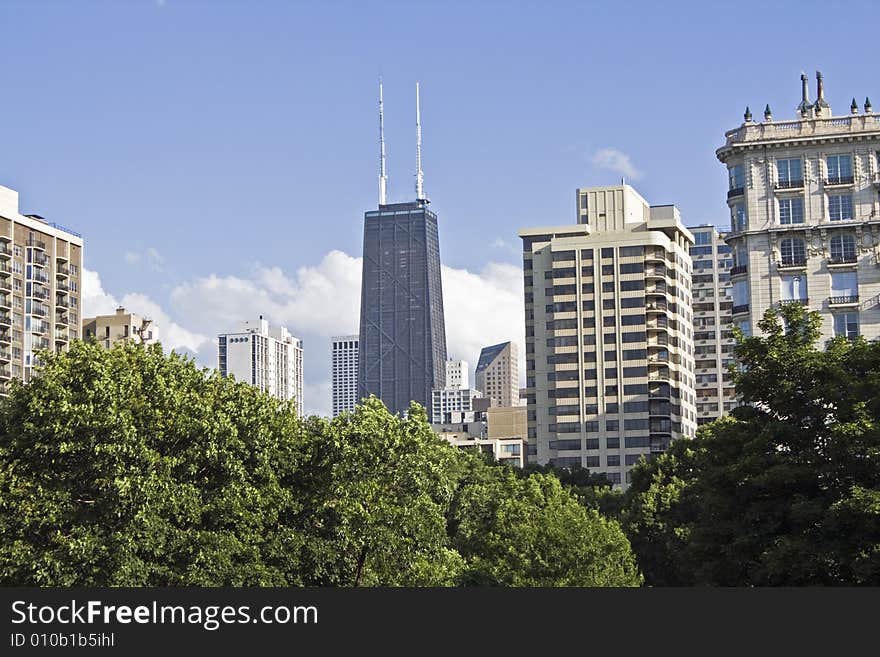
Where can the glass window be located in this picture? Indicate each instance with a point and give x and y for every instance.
(737, 175)
(740, 293)
(789, 173)
(703, 238)
(843, 248)
(840, 207)
(839, 168)
(793, 288)
(791, 210)
(844, 284)
(793, 251)
(738, 220)
(846, 325)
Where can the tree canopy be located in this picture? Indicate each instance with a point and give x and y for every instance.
(785, 490)
(127, 467)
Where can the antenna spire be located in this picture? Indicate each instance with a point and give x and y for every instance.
(420, 178)
(383, 179)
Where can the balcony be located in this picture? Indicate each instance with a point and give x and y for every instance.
(61, 286)
(42, 343)
(653, 306)
(656, 289)
(40, 277)
(5, 319)
(659, 443)
(5, 336)
(39, 328)
(41, 260)
(832, 181)
(849, 300)
(788, 184)
(5, 355)
(736, 191)
(655, 272)
(43, 295)
(37, 244)
(61, 318)
(802, 302)
(739, 269)
(4, 268)
(62, 270)
(5, 373)
(742, 308)
(60, 336)
(61, 303)
(5, 301)
(843, 260)
(61, 257)
(792, 263)
(5, 251)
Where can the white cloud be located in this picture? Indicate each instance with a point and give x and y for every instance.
(96, 301)
(617, 161)
(132, 258)
(151, 257)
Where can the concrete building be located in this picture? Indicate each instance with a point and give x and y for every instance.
(507, 422)
(506, 451)
(40, 288)
(805, 215)
(344, 373)
(107, 330)
(269, 359)
(457, 374)
(497, 374)
(609, 333)
(713, 335)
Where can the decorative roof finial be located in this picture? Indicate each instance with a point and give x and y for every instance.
(768, 115)
(748, 115)
(805, 107)
(821, 103)
(854, 107)
(868, 108)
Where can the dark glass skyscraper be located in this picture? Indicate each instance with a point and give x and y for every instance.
(402, 352)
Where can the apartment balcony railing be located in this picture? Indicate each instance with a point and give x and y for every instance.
(791, 263)
(5, 355)
(37, 244)
(656, 307)
(43, 295)
(62, 270)
(839, 180)
(41, 277)
(61, 257)
(5, 319)
(41, 259)
(844, 300)
(5, 301)
(742, 308)
(5, 336)
(5, 250)
(61, 303)
(61, 318)
(60, 336)
(5, 373)
(61, 286)
(42, 343)
(739, 269)
(4, 267)
(788, 184)
(736, 191)
(843, 260)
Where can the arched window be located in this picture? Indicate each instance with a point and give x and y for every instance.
(793, 251)
(843, 248)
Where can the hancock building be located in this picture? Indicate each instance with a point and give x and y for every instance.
(805, 214)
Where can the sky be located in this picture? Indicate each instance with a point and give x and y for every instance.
(218, 156)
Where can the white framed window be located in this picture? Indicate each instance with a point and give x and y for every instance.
(844, 285)
(840, 207)
(843, 248)
(740, 293)
(793, 251)
(791, 210)
(846, 325)
(790, 173)
(793, 288)
(839, 169)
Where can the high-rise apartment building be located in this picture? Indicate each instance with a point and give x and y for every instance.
(805, 215)
(713, 335)
(107, 330)
(402, 329)
(268, 358)
(457, 374)
(40, 278)
(497, 374)
(344, 373)
(609, 337)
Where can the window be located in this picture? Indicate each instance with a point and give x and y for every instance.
(844, 286)
(846, 325)
(741, 293)
(613, 460)
(840, 207)
(789, 173)
(793, 288)
(793, 251)
(738, 220)
(839, 169)
(702, 238)
(843, 248)
(627, 251)
(791, 210)
(737, 176)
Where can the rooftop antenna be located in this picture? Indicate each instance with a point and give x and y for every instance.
(383, 179)
(420, 178)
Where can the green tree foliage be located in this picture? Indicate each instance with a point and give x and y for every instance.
(127, 467)
(124, 467)
(785, 491)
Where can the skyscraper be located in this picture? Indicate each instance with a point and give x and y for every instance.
(344, 373)
(402, 352)
(713, 335)
(609, 351)
(40, 269)
(268, 359)
(497, 374)
(804, 215)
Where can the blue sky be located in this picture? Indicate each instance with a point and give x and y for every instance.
(216, 155)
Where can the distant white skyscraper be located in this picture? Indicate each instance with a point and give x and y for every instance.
(497, 374)
(344, 373)
(457, 375)
(269, 359)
